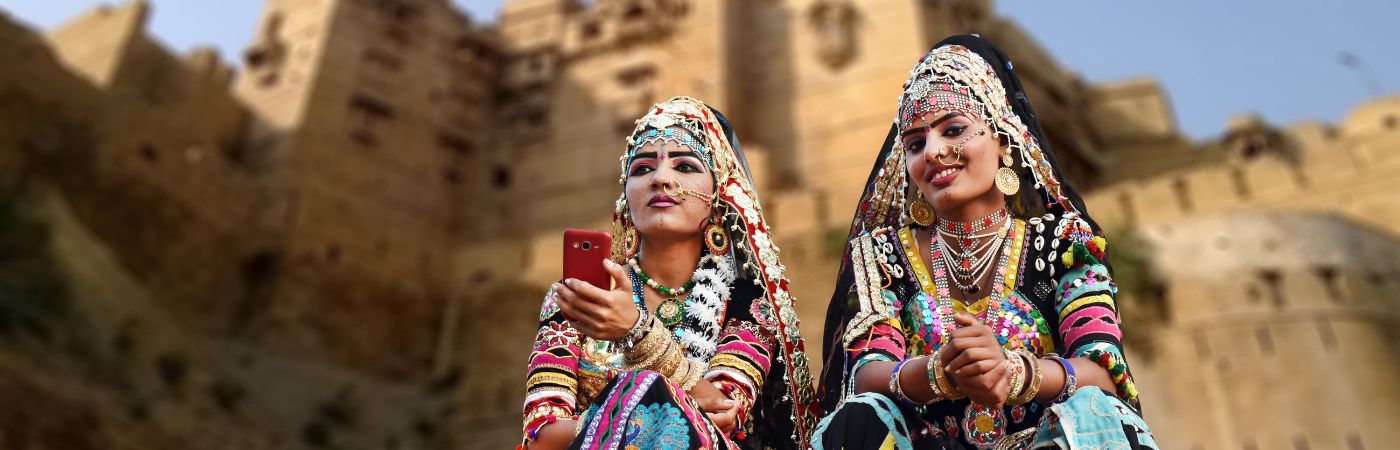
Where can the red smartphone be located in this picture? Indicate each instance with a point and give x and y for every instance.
(584, 252)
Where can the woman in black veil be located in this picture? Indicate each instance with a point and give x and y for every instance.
(975, 307)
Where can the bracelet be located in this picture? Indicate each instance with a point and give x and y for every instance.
(1018, 376)
(1070, 379)
(638, 331)
(1032, 379)
(737, 394)
(938, 378)
(651, 349)
(543, 413)
(683, 375)
(1032, 389)
(895, 388)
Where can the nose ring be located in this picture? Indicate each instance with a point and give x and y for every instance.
(957, 150)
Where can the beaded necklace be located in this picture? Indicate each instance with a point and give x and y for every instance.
(970, 263)
(930, 314)
(671, 310)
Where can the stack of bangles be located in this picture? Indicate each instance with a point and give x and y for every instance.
(540, 416)
(735, 393)
(1025, 379)
(937, 381)
(655, 350)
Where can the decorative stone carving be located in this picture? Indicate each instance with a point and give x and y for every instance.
(266, 57)
(834, 31)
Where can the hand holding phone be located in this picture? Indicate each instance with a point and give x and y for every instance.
(595, 295)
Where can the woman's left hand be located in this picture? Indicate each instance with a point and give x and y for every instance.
(978, 366)
(722, 411)
(596, 312)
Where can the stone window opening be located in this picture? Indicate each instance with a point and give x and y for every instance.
(1241, 185)
(1330, 279)
(1265, 339)
(1274, 280)
(367, 114)
(500, 177)
(382, 61)
(591, 30)
(268, 54)
(1327, 335)
(150, 153)
(1354, 441)
(333, 253)
(1183, 194)
(633, 77)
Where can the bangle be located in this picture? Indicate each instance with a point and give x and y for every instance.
(1032, 379)
(638, 331)
(1070, 379)
(938, 378)
(895, 388)
(1018, 376)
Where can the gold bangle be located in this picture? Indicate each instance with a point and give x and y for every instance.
(544, 411)
(1018, 375)
(692, 376)
(1033, 384)
(649, 345)
(947, 389)
(552, 378)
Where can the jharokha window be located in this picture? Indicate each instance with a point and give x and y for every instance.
(367, 116)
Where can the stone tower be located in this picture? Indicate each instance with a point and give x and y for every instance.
(377, 113)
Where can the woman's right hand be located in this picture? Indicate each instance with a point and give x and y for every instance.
(554, 436)
(976, 363)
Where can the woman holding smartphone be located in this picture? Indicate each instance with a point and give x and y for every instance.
(696, 344)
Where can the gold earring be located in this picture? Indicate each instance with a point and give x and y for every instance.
(715, 237)
(921, 211)
(1007, 181)
(629, 243)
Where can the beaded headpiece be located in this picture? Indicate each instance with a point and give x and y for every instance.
(953, 77)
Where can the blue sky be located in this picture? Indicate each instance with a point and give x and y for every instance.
(1216, 58)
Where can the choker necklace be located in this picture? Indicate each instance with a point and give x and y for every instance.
(671, 310)
(971, 262)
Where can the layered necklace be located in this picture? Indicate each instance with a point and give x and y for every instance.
(671, 310)
(972, 260)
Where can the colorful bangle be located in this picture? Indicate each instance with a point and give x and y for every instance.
(895, 387)
(1070, 379)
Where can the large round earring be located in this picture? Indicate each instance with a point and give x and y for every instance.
(1007, 181)
(921, 211)
(716, 239)
(629, 242)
